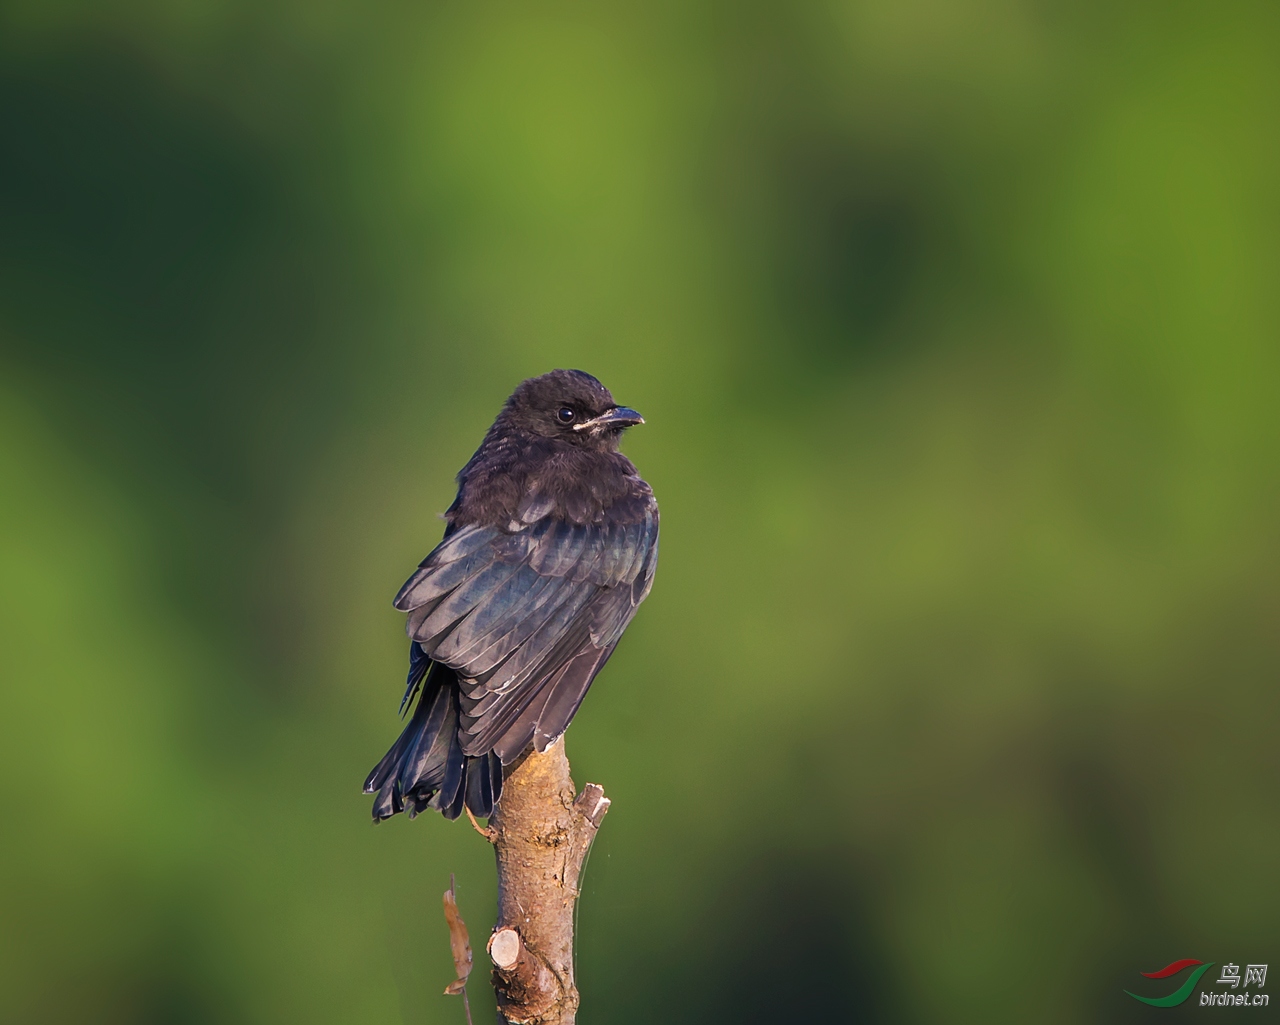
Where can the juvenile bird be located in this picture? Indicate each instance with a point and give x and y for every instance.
(550, 548)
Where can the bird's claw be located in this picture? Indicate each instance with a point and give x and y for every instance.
(488, 832)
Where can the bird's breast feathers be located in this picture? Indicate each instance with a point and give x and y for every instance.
(513, 484)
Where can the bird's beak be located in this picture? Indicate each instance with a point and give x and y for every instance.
(616, 418)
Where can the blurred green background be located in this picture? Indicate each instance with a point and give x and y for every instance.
(955, 325)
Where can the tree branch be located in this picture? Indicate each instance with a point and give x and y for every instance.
(541, 833)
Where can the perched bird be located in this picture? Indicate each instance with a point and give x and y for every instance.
(550, 548)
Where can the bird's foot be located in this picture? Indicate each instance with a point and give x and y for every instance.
(488, 832)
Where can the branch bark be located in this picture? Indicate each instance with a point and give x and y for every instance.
(541, 833)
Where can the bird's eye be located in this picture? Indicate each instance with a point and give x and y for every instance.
(566, 415)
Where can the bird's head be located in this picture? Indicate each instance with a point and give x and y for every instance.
(570, 405)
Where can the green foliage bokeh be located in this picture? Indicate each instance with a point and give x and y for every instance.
(955, 326)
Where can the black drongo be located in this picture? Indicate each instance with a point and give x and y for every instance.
(550, 548)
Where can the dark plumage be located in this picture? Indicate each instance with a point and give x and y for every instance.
(550, 548)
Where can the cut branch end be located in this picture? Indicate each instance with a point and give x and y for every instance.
(504, 948)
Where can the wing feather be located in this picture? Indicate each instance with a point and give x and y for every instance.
(524, 602)
(526, 617)
(432, 581)
(516, 627)
(566, 695)
(468, 595)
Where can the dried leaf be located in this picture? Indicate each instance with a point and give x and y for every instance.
(459, 942)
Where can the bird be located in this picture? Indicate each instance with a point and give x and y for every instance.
(549, 548)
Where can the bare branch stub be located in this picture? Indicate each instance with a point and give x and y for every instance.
(542, 832)
(505, 948)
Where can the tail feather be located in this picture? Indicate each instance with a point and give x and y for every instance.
(452, 810)
(419, 663)
(450, 787)
(484, 784)
(425, 755)
(426, 767)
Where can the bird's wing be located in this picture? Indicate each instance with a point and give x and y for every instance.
(527, 617)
